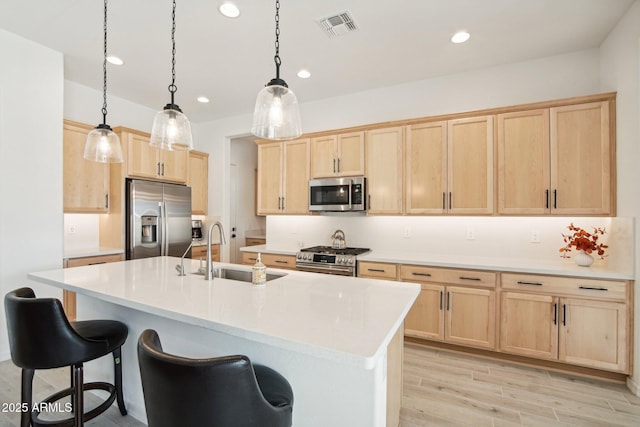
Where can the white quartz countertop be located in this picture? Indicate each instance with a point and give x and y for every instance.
(562, 267)
(559, 266)
(344, 319)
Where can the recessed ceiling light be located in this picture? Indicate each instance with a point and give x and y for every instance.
(229, 10)
(114, 60)
(203, 99)
(304, 74)
(460, 37)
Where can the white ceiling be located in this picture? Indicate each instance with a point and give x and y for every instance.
(230, 60)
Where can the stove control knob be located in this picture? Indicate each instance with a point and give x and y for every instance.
(350, 260)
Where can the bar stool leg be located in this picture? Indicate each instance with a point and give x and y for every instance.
(27, 390)
(78, 408)
(117, 360)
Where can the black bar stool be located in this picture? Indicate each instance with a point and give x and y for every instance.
(221, 391)
(41, 337)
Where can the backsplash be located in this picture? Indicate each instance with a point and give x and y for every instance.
(504, 237)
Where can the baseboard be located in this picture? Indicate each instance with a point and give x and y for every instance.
(634, 386)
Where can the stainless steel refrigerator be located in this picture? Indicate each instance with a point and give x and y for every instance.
(158, 219)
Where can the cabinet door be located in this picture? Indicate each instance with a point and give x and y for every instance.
(384, 154)
(295, 177)
(523, 163)
(426, 168)
(85, 183)
(529, 325)
(426, 317)
(594, 333)
(470, 165)
(470, 317)
(174, 165)
(199, 182)
(350, 154)
(143, 160)
(581, 159)
(269, 178)
(324, 156)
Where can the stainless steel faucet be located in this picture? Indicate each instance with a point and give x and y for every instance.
(180, 268)
(208, 274)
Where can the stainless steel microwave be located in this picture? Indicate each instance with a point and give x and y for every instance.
(346, 194)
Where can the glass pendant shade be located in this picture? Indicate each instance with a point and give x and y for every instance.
(103, 145)
(171, 130)
(276, 115)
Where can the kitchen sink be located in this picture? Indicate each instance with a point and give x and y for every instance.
(240, 275)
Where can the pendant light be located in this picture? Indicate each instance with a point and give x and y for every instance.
(276, 115)
(103, 145)
(171, 129)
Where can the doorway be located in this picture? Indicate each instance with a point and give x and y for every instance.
(242, 193)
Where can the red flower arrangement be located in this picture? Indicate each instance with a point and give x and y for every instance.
(583, 241)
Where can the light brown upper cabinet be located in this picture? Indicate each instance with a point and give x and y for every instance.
(145, 161)
(581, 152)
(337, 155)
(556, 161)
(384, 159)
(283, 177)
(426, 168)
(470, 166)
(523, 162)
(449, 167)
(198, 181)
(85, 183)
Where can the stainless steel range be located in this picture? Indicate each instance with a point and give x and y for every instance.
(329, 260)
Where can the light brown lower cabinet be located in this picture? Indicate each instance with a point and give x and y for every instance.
(583, 322)
(68, 297)
(455, 306)
(270, 260)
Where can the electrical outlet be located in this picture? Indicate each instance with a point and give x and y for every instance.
(406, 233)
(535, 236)
(71, 229)
(471, 233)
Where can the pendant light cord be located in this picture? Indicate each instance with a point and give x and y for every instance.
(104, 69)
(277, 57)
(172, 87)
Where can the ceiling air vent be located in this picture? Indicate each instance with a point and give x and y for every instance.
(339, 24)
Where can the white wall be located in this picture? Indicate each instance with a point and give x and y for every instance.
(30, 166)
(620, 71)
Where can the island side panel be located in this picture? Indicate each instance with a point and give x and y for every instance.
(326, 393)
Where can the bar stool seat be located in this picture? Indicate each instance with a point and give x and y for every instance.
(41, 337)
(226, 391)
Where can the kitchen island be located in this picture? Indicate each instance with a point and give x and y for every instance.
(337, 340)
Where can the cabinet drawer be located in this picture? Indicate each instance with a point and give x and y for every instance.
(252, 241)
(278, 261)
(419, 273)
(590, 288)
(270, 260)
(92, 260)
(201, 252)
(378, 270)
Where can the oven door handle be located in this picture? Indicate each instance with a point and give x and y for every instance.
(325, 269)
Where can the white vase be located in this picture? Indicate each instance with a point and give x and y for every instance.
(583, 259)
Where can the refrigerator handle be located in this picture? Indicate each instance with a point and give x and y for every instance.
(165, 230)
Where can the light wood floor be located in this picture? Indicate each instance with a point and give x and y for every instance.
(441, 388)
